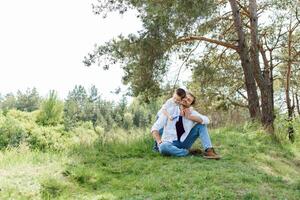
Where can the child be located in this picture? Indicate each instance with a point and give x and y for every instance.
(170, 107)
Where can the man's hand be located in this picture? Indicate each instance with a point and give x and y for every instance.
(186, 112)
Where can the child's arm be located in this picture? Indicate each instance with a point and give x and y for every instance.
(165, 112)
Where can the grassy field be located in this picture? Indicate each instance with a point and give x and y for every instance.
(253, 166)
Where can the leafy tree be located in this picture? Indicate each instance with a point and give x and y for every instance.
(145, 56)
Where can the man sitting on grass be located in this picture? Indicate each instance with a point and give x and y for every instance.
(179, 134)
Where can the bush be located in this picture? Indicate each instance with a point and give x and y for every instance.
(44, 138)
(12, 133)
(23, 117)
(18, 127)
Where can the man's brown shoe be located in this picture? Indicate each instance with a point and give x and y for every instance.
(195, 152)
(211, 154)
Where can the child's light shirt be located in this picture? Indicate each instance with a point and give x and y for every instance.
(171, 107)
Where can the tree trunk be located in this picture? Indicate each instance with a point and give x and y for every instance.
(243, 52)
(272, 82)
(268, 75)
(262, 79)
(287, 87)
(297, 103)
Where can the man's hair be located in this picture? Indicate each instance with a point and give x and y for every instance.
(181, 92)
(194, 98)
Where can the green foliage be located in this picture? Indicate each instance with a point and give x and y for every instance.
(216, 81)
(8, 102)
(12, 133)
(81, 106)
(282, 125)
(128, 121)
(143, 115)
(144, 56)
(19, 127)
(45, 138)
(84, 134)
(24, 101)
(28, 100)
(51, 111)
(51, 188)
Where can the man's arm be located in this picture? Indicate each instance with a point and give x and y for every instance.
(159, 124)
(156, 136)
(195, 116)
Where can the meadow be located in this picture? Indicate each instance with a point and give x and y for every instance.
(122, 165)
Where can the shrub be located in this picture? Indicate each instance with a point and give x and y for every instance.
(12, 133)
(21, 116)
(44, 138)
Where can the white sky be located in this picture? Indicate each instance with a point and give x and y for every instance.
(42, 45)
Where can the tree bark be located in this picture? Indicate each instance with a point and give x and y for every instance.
(262, 79)
(268, 74)
(243, 52)
(287, 86)
(297, 103)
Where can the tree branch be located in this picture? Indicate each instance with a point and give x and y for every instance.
(264, 56)
(186, 59)
(246, 12)
(240, 93)
(236, 103)
(201, 38)
(297, 17)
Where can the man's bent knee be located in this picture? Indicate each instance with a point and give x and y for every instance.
(164, 148)
(200, 126)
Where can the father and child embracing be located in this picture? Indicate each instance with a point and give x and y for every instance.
(178, 126)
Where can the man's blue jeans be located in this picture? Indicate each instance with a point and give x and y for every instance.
(177, 148)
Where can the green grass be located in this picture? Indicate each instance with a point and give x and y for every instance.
(254, 166)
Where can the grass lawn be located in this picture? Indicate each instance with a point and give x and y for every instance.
(253, 166)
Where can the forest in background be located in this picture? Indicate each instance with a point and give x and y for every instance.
(28, 117)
